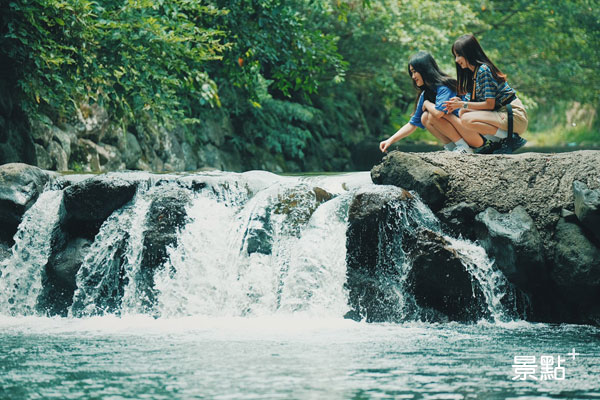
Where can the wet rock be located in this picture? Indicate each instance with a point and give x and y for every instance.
(59, 279)
(20, 186)
(259, 236)
(166, 216)
(88, 203)
(101, 285)
(514, 242)
(297, 206)
(459, 219)
(576, 270)
(412, 172)
(587, 207)
(375, 257)
(438, 280)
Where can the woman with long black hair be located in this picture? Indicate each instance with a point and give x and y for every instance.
(434, 88)
(492, 116)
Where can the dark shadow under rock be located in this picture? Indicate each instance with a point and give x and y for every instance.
(576, 272)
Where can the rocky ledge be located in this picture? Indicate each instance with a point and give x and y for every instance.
(537, 215)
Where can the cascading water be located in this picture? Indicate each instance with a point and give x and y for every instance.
(252, 244)
(21, 274)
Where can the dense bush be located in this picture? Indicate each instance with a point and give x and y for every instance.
(290, 74)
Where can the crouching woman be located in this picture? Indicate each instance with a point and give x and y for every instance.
(492, 116)
(434, 88)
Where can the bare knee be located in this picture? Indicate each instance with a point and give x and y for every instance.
(425, 119)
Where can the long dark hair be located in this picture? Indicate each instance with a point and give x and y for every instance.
(424, 64)
(468, 47)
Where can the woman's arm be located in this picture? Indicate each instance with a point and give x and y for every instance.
(403, 132)
(430, 108)
(455, 103)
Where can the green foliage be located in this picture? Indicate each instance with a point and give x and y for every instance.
(131, 56)
(290, 74)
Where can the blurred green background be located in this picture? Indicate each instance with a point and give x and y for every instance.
(290, 74)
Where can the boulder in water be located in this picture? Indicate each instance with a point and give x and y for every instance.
(374, 255)
(59, 278)
(513, 240)
(166, 216)
(439, 280)
(90, 202)
(459, 219)
(20, 186)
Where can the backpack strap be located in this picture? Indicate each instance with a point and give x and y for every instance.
(509, 111)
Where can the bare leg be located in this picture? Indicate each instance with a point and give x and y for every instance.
(481, 121)
(446, 128)
(470, 135)
(431, 124)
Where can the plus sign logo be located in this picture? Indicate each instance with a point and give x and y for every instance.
(526, 367)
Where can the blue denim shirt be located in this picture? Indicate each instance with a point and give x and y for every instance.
(444, 93)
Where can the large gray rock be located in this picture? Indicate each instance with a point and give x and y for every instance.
(397, 269)
(576, 265)
(58, 280)
(587, 207)
(541, 183)
(88, 203)
(514, 242)
(412, 172)
(131, 151)
(92, 122)
(20, 186)
(459, 219)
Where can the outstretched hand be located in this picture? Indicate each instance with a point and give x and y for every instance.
(384, 145)
(452, 104)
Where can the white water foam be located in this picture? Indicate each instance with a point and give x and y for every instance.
(21, 279)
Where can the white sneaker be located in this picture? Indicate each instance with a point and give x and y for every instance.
(462, 150)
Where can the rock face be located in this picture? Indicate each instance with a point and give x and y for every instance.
(399, 269)
(20, 186)
(439, 281)
(576, 271)
(513, 241)
(535, 214)
(587, 207)
(167, 214)
(91, 201)
(413, 173)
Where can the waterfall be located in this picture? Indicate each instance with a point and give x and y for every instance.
(249, 244)
(21, 273)
(111, 262)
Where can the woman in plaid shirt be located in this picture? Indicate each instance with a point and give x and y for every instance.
(484, 112)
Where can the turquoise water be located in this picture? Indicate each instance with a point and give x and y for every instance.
(287, 358)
